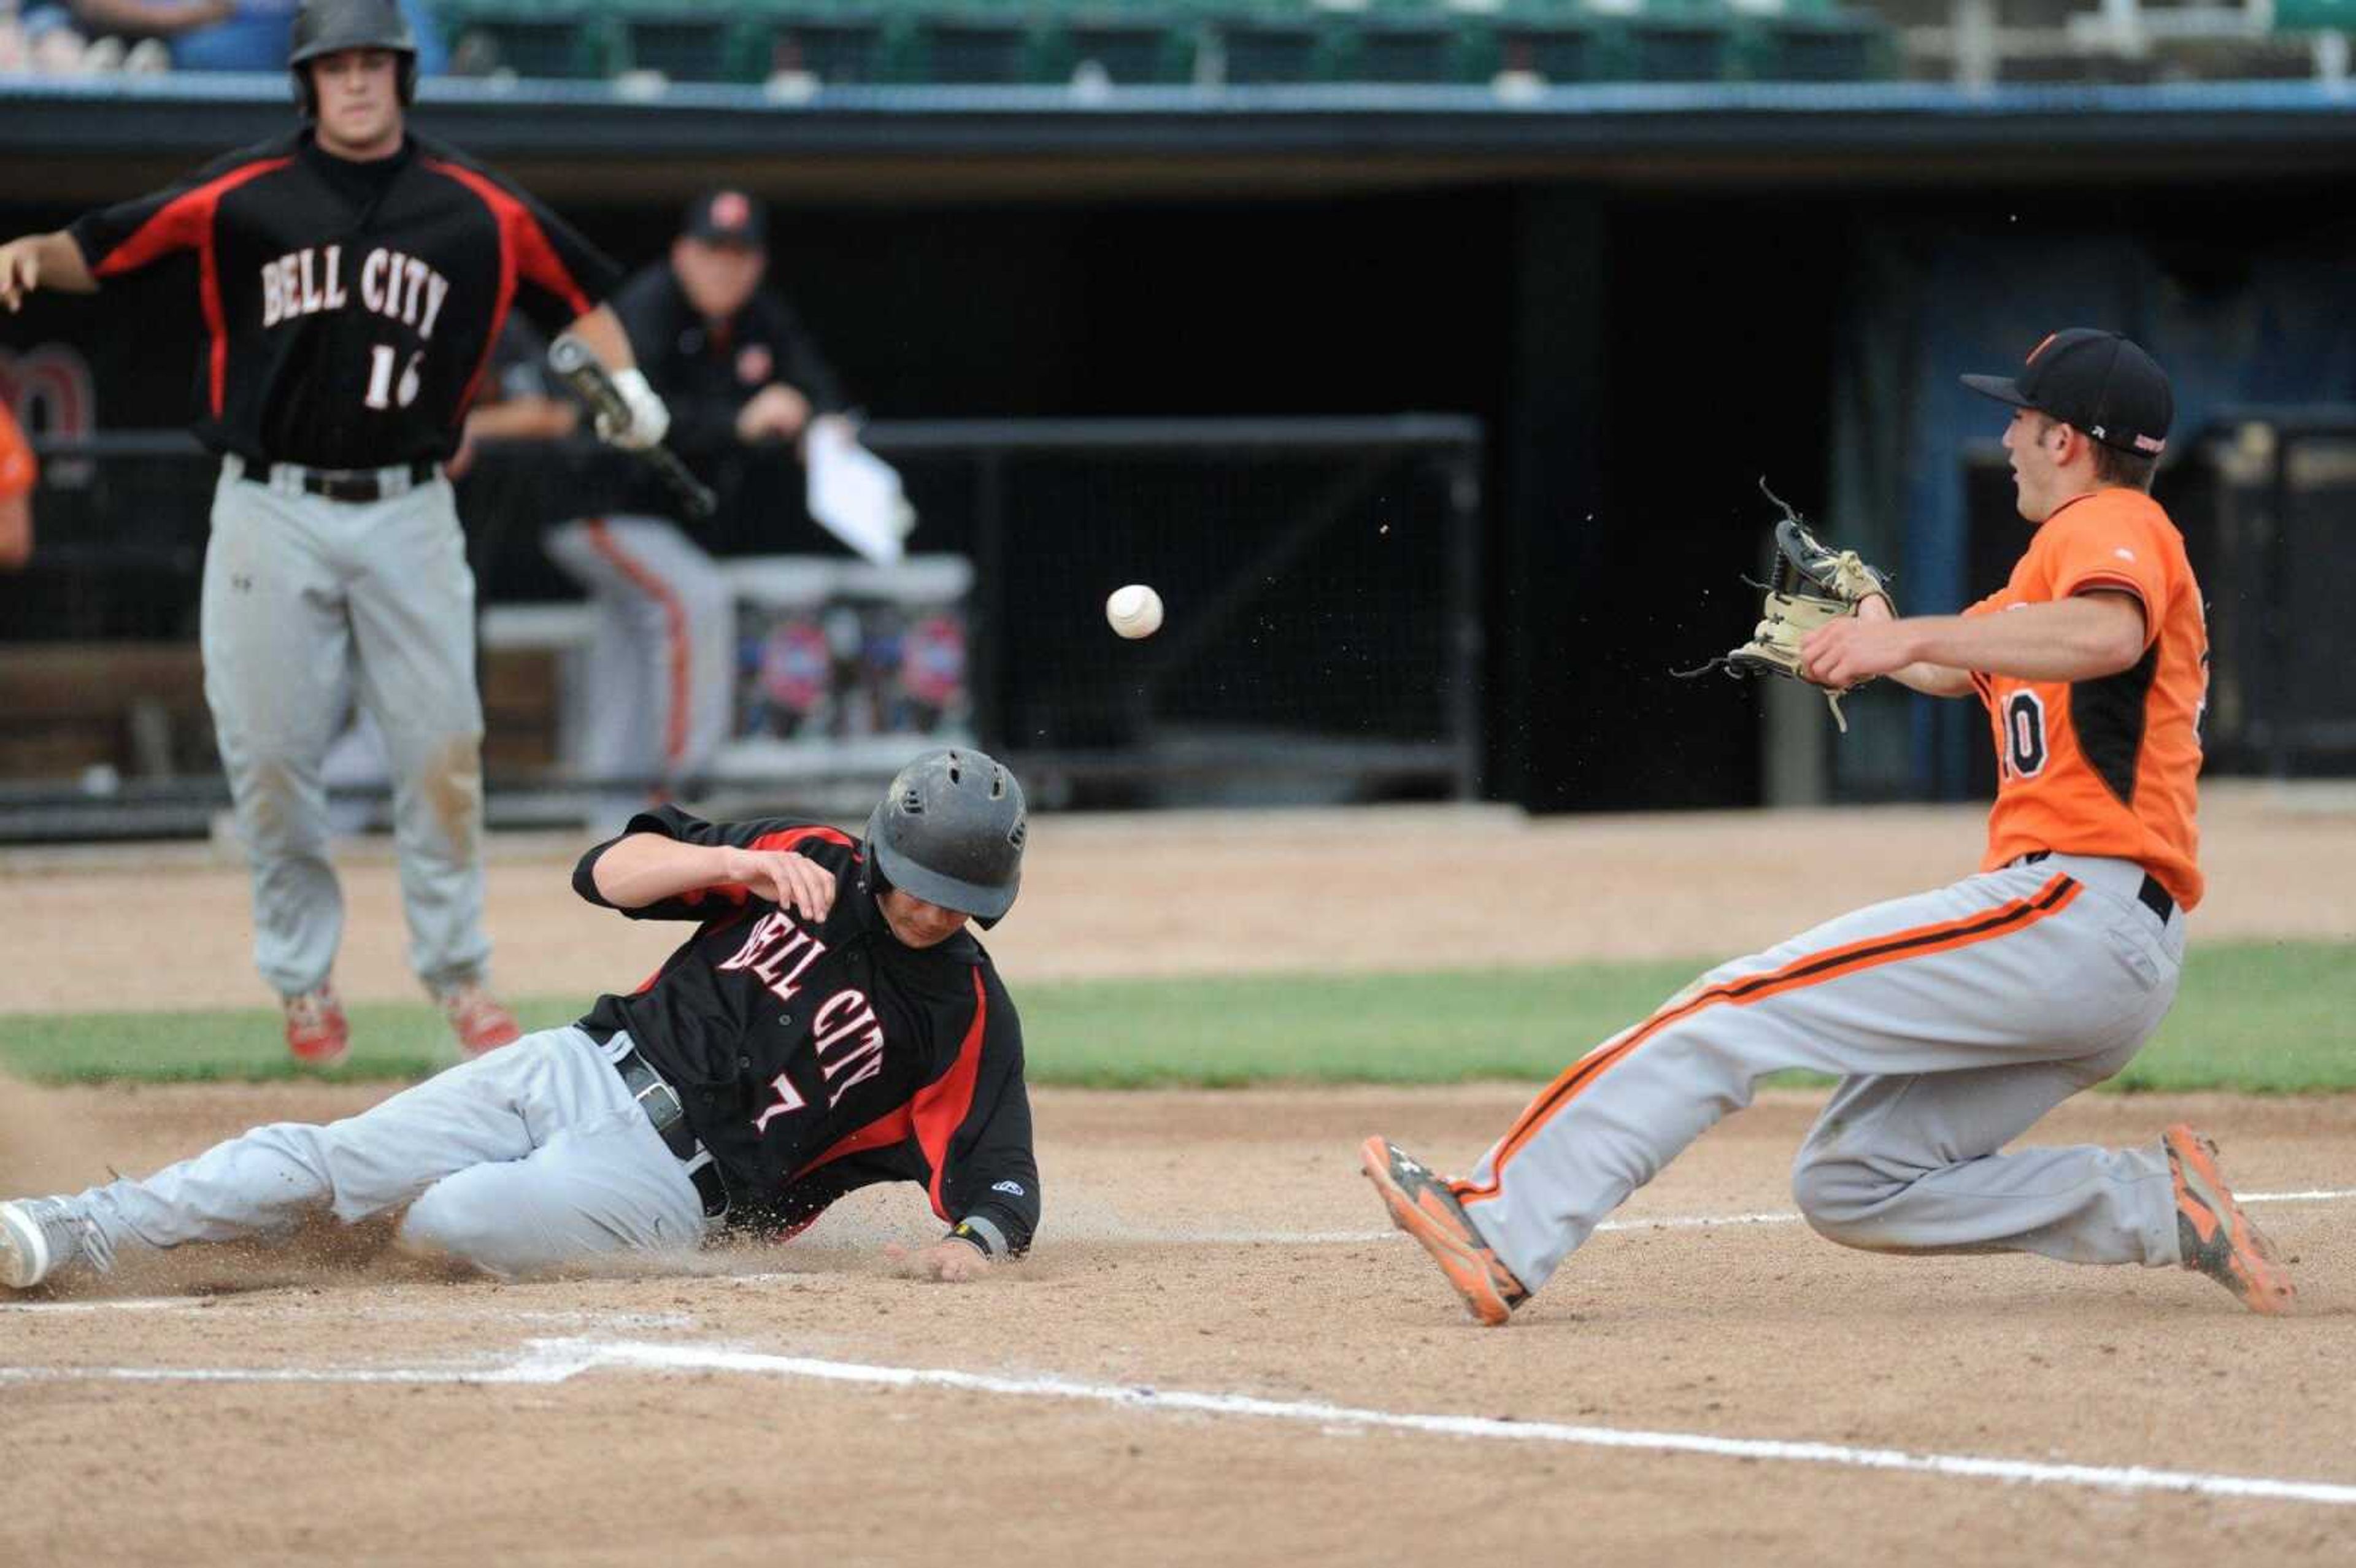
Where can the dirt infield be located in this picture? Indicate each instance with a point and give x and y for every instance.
(1218, 1352)
(1215, 1246)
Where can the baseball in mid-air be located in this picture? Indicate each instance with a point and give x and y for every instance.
(1134, 610)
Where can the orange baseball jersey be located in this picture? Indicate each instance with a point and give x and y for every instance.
(17, 470)
(2107, 766)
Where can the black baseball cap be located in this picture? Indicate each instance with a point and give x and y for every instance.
(2096, 381)
(728, 218)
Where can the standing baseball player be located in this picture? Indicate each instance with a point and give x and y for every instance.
(352, 278)
(738, 368)
(828, 1024)
(1956, 1018)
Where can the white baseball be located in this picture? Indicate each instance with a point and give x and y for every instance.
(1134, 610)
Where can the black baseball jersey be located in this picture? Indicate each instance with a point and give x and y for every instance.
(707, 371)
(815, 1060)
(350, 307)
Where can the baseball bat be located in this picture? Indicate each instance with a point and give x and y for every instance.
(585, 374)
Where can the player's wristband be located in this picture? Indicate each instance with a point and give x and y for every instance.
(650, 420)
(982, 1234)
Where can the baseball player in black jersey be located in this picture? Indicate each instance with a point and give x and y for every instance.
(829, 1022)
(352, 278)
(738, 368)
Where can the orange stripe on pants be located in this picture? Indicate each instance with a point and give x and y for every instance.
(1810, 970)
(602, 542)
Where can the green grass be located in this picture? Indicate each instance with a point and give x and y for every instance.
(2268, 1018)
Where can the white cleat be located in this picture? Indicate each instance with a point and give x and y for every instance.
(40, 1235)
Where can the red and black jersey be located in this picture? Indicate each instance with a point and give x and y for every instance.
(350, 307)
(816, 1059)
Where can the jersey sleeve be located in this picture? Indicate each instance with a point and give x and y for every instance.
(557, 275)
(146, 229)
(829, 847)
(18, 469)
(990, 1178)
(2111, 549)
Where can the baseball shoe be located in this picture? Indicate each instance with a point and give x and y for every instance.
(477, 1018)
(39, 1236)
(1422, 1206)
(2212, 1234)
(318, 1033)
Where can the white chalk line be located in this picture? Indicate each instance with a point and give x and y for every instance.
(1197, 1238)
(1662, 1222)
(547, 1361)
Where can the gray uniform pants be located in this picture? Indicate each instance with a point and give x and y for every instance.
(664, 658)
(308, 604)
(520, 1161)
(1956, 1018)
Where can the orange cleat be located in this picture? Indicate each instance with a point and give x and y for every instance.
(1422, 1206)
(2213, 1235)
(477, 1018)
(317, 1034)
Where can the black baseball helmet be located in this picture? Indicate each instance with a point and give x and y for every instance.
(950, 830)
(324, 26)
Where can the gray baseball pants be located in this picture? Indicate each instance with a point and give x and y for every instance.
(310, 603)
(520, 1161)
(663, 663)
(1955, 1020)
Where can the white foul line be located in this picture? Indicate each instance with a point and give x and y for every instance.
(1664, 1222)
(1196, 1238)
(558, 1360)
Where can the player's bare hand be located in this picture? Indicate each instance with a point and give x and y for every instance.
(787, 879)
(1844, 653)
(951, 1262)
(20, 270)
(775, 413)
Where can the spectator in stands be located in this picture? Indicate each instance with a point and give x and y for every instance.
(738, 368)
(238, 34)
(18, 472)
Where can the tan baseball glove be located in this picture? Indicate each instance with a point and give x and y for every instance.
(1813, 584)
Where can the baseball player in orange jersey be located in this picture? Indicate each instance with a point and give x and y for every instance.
(1955, 1018)
(18, 474)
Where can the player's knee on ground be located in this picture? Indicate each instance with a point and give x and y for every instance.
(450, 1220)
(1842, 1197)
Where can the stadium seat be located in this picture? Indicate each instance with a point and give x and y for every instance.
(1679, 43)
(559, 40)
(1404, 46)
(1554, 43)
(1142, 43)
(1828, 45)
(836, 46)
(978, 43)
(1271, 46)
(684, 40)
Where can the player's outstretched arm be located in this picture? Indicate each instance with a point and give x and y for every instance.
(647, 868)
(50, 260)
(1874, 642)
(2084, 637)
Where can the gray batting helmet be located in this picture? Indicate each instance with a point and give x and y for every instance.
(324, 26)
(950, 830)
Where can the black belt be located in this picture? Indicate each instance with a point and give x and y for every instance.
(2151, 895)
(356, 485)
(660, 1102)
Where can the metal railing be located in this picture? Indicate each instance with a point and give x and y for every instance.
(1322, 579)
